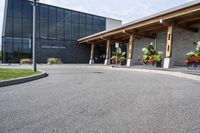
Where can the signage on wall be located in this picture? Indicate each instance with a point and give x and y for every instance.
(53, 47)
(116, 45)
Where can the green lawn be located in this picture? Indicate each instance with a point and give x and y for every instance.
(6, 74)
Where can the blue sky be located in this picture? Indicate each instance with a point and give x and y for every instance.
(125, 10)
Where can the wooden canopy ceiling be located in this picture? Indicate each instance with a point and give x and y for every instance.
(182, 18)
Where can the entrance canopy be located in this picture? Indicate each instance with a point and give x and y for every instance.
(183, 17)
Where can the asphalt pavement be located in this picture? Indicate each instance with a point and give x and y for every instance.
(87, 99)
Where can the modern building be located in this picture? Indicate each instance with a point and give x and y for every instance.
(57, 31)
(173, 31)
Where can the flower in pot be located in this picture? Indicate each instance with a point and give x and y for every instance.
(118, 57)
(151, 56)
(193, 57)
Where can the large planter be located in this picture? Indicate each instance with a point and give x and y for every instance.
(152, 63)
(193, 61)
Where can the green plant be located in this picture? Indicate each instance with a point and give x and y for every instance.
(26, 61)
(194, 56)
(118, 56)
(51, 61)
(122, 60)
(150, 55)
(0, 55)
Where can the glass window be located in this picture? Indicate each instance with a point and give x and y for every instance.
(52, 29)
(95, 20)
(75, 31)
(82, 30)
(95, 28)
(17, 27)
(68, 16)
(7, 46)
(82, 19)
(102, 28)
(89, 20)
(68, 31)
(43, 12)
(27, 27)
(27, 9)
(8, 30)
(17, 8)
(75, 17)
(60, 14)
(89, 29)
(52, 13)
(102, 21)
(10, 9)
(43, 29)
(38, 12)
(27, 46)
(37, 28)
(60, 30)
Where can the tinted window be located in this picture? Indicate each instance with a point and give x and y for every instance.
(52, 29)
(89, 20)
(43, 29)
(75, 31)
(27, 27)
(43, 12)
(95, 20)
(52, 13)
(10, 9)
(17, 8)
(27, 9)
(68, 31)
(8, 29)
(68, 16)
(82, 19)
(75, 17)
(17, 27)
(60, 14)
(102, 21)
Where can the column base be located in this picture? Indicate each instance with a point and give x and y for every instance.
(129, 62)
(91, 62)
(167, 63)
(107, 62)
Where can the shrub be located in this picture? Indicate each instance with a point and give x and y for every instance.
(26, 61)
(51, 61)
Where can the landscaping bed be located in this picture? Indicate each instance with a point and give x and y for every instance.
(7, 74)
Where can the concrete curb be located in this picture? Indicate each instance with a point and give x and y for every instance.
(23, 80)
(171, 73)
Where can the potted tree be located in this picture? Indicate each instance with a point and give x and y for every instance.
(152, 57)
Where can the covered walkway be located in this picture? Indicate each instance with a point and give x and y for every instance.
(172, 31)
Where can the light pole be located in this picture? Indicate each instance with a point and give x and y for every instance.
(33, 45)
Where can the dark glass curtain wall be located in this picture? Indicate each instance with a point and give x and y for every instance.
(57, 31)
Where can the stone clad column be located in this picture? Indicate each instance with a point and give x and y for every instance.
(92, 54)
(108, 47)
(169, 46)
(130, 50)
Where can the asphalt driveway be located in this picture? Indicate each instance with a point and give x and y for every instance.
(85, 99)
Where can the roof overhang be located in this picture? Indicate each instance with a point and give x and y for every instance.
(182, 17)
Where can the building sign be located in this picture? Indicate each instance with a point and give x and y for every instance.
(53, 47)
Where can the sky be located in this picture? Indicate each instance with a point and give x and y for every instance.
(125, 10)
